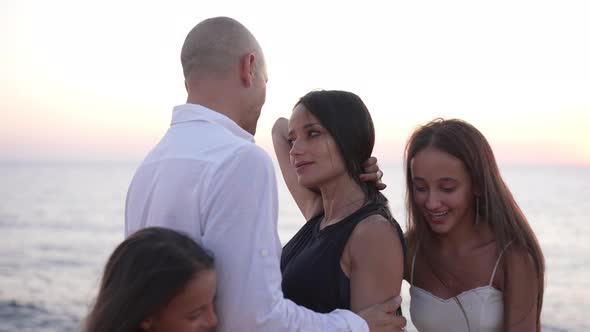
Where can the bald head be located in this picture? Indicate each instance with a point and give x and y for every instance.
(214, 47)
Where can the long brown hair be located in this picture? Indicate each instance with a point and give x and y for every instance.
(142, 276)
(496, 203)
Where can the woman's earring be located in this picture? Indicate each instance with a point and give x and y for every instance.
(476, 210)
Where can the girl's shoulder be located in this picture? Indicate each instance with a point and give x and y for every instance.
(514, 253)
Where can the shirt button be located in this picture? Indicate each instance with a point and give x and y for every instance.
(263, 252)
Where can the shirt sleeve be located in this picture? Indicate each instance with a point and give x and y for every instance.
(240, 229)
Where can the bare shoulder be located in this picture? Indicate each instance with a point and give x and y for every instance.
(515, 254)
(519, 263)
(374, 226)
(375, 233)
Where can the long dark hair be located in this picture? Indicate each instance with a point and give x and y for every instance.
(142, 276)
(496, 203)
(347, 119)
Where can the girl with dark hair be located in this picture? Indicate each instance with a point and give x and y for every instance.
(474, 262)
(156, 280)
(349, 254)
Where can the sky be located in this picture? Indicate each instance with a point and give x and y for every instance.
(97, 80)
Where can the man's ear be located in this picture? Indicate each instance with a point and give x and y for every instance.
(247, 69)
(146, 324)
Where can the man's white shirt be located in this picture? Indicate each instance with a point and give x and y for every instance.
(208, 179)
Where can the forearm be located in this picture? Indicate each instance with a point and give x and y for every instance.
(308, 201)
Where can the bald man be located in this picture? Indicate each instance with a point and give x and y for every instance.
(208, 178)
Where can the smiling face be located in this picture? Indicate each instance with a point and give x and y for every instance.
(314, 153)
(443, 190)
(192, 310)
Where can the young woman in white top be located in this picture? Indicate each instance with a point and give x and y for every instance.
(474, 263)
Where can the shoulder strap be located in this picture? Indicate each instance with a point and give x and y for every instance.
(412, 269)
(497, 262)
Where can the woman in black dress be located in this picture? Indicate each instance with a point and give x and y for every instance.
(349, 254)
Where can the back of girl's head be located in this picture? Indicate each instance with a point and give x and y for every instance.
(496, 203)
(142, 275)
(347, 119)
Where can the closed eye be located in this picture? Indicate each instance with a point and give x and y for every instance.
(195, 315)
(419, 188)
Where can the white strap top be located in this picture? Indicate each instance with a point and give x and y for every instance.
(479, 309)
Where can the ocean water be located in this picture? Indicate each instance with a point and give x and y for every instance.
(60, 221)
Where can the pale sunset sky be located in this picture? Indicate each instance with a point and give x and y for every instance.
(97, 80)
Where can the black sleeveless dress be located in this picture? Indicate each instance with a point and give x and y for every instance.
(310, 262)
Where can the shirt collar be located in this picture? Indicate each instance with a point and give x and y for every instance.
(194, 112)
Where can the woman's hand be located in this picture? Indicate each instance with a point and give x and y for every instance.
(373, 173)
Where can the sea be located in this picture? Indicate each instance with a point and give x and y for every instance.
(59, 222)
